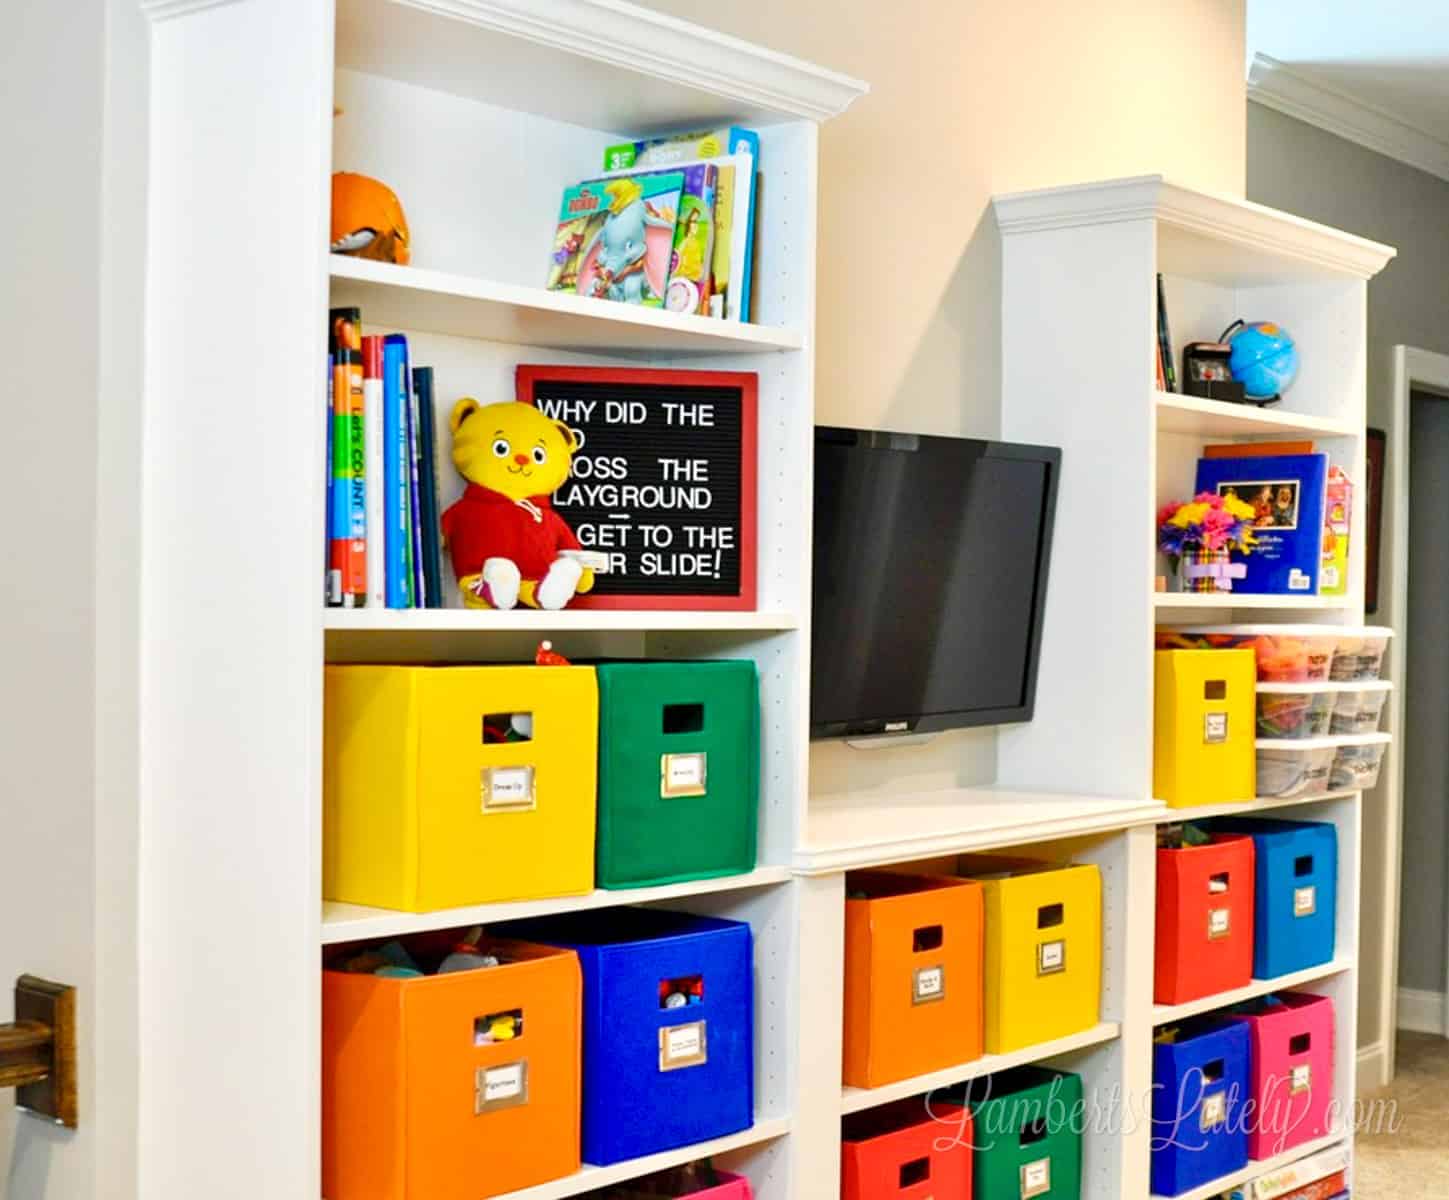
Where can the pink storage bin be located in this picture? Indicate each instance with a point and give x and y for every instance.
(1291, 1075)
(730, 1187)
(673, 1185)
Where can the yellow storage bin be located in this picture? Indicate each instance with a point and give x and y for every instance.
(1043, 976)
(1203, 727)
(426, 807)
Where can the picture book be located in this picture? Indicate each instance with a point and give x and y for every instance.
(372, 426)
(691, 263)
(415, 506)
(397, 484)
(1255, 449)
(1287, 495)
(349, 458)
(1338, 508)
(733, 141)
(428, 511)
(615, 237)
(1164, 338)
(724, 204)
(331, 580)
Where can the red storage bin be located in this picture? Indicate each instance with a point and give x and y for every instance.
(1204, 919)
(909, 1150)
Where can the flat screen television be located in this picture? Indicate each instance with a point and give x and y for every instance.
(930, 576)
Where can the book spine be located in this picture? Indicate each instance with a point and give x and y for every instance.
(719, 276)
(745, 141)
(331, 580)
(349, 473)
(1164, 337)
(415, 508)
(372, 432)
(395, 480)
(428, 486)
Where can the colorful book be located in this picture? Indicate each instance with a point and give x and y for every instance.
(349, 458)
(1337, 512)
(1255, 449)
(709, 143)
(615, 238)
(691, 264)
(1164, 337)
(372, 431)
(415, 507)
(396, 484)
(724, 220)
(331, 581)
(428, 487)
(1316, 1168)
(1287, 494)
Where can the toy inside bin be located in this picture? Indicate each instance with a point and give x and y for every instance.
(1284, 653)
(1289, 768)
(1292, 710)
(1359, 652)
(1359, 707)
(1356, 765)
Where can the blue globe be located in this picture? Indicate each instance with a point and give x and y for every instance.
(1265, 360)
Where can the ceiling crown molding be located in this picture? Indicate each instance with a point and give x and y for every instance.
(1287, 91)
(166, 10)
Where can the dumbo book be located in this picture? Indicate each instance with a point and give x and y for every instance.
(615, 238)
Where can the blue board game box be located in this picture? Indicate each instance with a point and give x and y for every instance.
(1286, 492)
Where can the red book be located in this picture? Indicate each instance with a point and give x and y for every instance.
(348, 548)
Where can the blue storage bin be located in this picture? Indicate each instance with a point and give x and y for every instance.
(1296, 893)
(657, 1077)
(1200, 1083)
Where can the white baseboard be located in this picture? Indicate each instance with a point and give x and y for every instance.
(1373, 1067)
(1421, 1012)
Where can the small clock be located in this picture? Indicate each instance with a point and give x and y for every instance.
(1206, 372)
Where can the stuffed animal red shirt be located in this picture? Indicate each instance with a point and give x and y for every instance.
(485, 524)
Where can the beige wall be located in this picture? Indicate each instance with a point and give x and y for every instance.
(971, 98)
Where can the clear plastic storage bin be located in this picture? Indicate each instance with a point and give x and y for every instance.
(1290, 768)
(1358, 710)
(1290, 710)
(1359, 653)
(1285, 653)
(1356, 766)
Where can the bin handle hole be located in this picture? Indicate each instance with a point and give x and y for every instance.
(507, 727)
(1048, 916)
(1218, 884)
(683, 718)
(506, 1026)
(1303, 865)
(1213, 1072)
(1215, 689)
(928, 937)
(1301, 1044)
(681, 991)
(1035, 1130)
(918, 1170)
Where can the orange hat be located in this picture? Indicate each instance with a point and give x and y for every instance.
(367, 219)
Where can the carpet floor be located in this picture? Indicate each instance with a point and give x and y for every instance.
(1411, 1163)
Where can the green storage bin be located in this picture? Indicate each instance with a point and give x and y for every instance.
(679, 771)
(1027, 1136)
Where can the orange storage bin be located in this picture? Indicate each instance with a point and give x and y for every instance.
(420, 1102)
(913, 960)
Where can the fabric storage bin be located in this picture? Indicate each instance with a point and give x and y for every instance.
(1291, 1074)
(1356, 766)
(658, 1076)
(1043, 963)
(1283, 653)
(425, 807)
(1027, 1132)
(1359, 709)
(1204, 919)
(1200, 1079)
(1295, 893)
(690, 1182)
(913, 963)
(908, 1150)
(1203, 726)
(679, 771)
(419, 1104)
(1291, 710)
(1359, 652)
(1287, 769)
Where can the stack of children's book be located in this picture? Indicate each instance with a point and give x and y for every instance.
(383, 542)
(669, 223)
(1322, 1176)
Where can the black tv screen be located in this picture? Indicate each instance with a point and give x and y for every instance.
(930, 575)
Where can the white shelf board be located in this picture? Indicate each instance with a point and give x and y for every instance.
(359, 922)
(590, 1177)
(529, 620)
(855, 1099)
(1177, 413)
(1192, 601)
(415, 298)
(1203, 812)
(1166, 1014)
(603, 65)
(1210, 1191)
(870, 829)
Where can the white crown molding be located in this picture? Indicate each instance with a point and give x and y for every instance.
(1151, 197)
(167, 10)
(1292, 93)
(626, 35)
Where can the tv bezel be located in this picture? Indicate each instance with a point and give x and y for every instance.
(907, 724)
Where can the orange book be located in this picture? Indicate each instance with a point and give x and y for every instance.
(1255, 449)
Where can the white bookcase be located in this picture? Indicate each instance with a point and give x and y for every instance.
(479, 112)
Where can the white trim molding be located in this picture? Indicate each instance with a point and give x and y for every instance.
(1293, 93)
(167, 10)
(1421, 1012)
(1374, 1071)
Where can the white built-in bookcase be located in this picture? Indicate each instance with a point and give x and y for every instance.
(479, 113)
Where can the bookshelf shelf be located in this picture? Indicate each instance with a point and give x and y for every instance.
(1255, 1170)
(1167, 1014)
(1190, 602)
(418, 299)
(1177, 413)
(1203, 812)
(463, 620)
(356, 922)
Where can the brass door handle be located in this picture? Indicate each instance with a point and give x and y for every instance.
(37, 1050)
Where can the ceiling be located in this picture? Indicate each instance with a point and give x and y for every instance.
(1383, 67)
